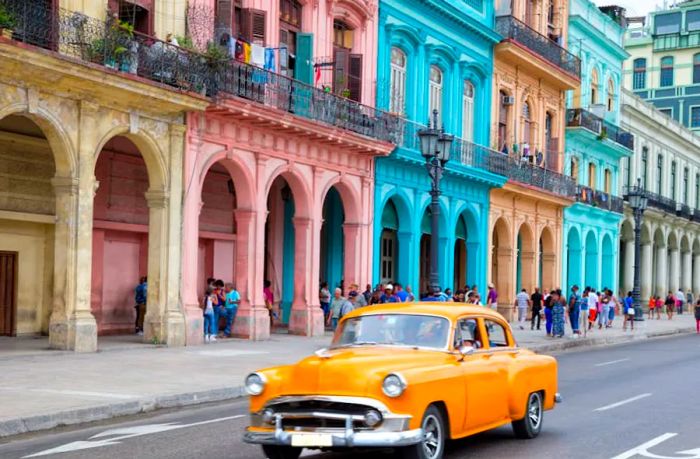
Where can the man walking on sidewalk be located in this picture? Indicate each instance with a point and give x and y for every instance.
(536, 299)
(680, 299)
(574, 300)
(522, 302)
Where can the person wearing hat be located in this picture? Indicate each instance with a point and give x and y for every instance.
(436, 295)
(359, 298)
(388, 296)
(492, 297)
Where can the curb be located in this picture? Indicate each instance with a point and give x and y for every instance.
(18, 426)
(36, 423)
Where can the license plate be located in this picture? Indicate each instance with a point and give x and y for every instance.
(308, 440)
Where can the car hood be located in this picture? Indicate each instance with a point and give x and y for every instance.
(355, 370)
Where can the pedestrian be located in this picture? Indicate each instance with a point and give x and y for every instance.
(697, 316)
(233, 299)
(592, 307)
(435, 295)
(208, 313)
(614, 306)
(367, 293)
(336, 306)
(583, 312)
(670, 305)
(603, 309)
(628, 312)
(680, 299)
(689, 299)
(492, 297)
(140, 298)
(536, 299)
(574, 310)
(558, 314)
(269, 300)
(324, 297)
(652, 306)
(410, 297)
(448, 294)
(522, 301)
(388, 296)
(359, 301)
(548, 304)
(659, 307)
(400, 292)
(219, 305)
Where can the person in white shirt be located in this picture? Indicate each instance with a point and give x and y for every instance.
(680, 298)
(592, 305)
(522, 302)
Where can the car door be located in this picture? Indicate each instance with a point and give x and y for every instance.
(502, 355)
(484, 379)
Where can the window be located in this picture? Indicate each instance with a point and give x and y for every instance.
(697, 191)
(659, 172)
(467, 333)
(138, 16)
(388, 256)
(574, 169)
(667, 23)
(549, 143)
(692, 20)
(591, 176)
(527, 124)
(503, 121)
(397, 103)
(530, 15)
(435, 93)
(696, 68)
(347, 71)
(673, 180)
(695, 117)
(666, 76)
(497, 335)
(645, 157)
(608, 181)
(290, 23)
(611, 95)
(685, 185)
(594, 87)
(468, 111)
(667, 111)
(639, 78)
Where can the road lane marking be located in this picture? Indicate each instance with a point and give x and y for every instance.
(612, 362)
(623, 402)
(124, 433)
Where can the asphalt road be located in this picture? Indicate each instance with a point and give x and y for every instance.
(632, 401)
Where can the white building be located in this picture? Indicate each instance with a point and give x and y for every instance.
(667, 161)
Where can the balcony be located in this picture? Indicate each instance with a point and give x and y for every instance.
(668, 205)
(514, 31)
(602, 129)
(115, 47)
(599, 199)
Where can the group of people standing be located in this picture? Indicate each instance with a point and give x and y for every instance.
(673, 303)
(221, 300)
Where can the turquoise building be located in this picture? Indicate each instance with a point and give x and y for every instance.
(595, 145)
(435, 56)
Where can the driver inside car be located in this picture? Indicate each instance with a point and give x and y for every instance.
(469, 334)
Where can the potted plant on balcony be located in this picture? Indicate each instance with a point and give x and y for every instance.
(7, 22)
(603, 133)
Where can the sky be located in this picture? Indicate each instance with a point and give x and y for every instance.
(634, 7)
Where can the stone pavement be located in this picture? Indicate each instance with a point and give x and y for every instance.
(42, 389)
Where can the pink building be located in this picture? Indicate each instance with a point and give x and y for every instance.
(279, 173)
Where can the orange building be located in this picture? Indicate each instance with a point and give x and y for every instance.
(532, 72)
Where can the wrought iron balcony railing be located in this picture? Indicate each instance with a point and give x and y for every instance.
(113, 45)
(578, 117)
(523, 171)
(510, 27)
(599, 199)
(667, 205)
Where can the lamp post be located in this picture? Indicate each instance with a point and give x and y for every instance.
(435, 147)
(638, 200)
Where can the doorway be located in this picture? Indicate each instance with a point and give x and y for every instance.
(8, 292)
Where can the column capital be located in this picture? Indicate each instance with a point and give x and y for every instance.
(157, 199)
(244, 215)
(301, 222)
(178, 130)
(65, 185)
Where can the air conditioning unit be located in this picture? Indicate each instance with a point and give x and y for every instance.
(508, 100)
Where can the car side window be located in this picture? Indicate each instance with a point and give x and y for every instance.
(467, 333)
(498, 337)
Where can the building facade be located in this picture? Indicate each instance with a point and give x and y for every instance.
(435, 58)
(92, 176)
(666, 162)
(279, 170)
(595, 145)
(532, 72)
(664, 63)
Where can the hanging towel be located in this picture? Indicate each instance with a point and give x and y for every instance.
(231, 46)
(270, 59)
(246, 53)
(239, 53)
(257, 55)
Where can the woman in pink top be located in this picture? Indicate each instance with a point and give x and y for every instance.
(269, 299)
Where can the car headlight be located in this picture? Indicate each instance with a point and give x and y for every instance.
(255, 383)
(394, 385)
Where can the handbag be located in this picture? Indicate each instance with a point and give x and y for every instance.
(630, 312)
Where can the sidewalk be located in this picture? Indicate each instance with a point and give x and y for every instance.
(41, 389)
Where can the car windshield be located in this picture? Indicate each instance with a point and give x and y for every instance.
(394, 329)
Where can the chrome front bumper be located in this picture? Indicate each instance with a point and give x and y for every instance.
(392, 432)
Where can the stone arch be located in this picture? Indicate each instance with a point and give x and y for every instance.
(243, 181)
(302, 196)
(467, 247)
(591, 260)
(350, 198)
(62, 148)
(574, 254)
(608, 263)
(547, 258)
(526, 260)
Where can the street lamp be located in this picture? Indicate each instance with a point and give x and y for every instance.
(435, 147)
(638, 200)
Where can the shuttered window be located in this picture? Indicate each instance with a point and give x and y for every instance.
(468, 111)
(253, 25)
(397, 90)
(435, 93)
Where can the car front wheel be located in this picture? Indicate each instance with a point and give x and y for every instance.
(433, 444)
(530, 426)
(281, 452)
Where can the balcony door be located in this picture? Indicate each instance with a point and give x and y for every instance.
(347, 70)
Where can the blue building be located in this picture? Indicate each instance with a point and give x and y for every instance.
(435, 56)
(595, 145)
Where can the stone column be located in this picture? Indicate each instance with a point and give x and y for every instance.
(351, 245)
(306, 317)
(628, 268)
(154, 327)
(661, 271)
(528, 271)
(646, 271)
(675, 271)
(696, 275)
(687, 271)
(505, 280)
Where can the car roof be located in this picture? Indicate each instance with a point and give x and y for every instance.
(452, 311)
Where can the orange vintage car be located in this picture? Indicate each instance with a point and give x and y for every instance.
(404, 376)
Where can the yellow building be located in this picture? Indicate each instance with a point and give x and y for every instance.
(532, 72)
(91, 146)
